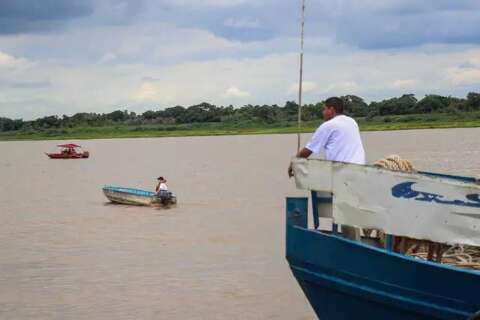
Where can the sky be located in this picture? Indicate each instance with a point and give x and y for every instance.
(67, 56)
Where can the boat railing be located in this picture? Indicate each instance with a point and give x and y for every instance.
(422, 214)
(436, 207)
(322, 218)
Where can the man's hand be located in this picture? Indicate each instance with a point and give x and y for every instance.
(290, 170)
(304, 153)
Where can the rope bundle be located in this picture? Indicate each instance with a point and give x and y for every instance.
(395, 163)
(458, 255)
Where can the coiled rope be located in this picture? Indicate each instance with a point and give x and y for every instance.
(395, 163)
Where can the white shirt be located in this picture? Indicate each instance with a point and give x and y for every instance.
(340, 138)
(163, 186)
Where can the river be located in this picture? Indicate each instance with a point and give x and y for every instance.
(66, 253)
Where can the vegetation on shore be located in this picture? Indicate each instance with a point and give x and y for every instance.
(204, 119)
(399, 122)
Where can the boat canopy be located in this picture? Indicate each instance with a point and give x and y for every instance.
(436, 207)
(69, 145)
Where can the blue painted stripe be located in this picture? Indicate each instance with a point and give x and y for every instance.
(448, 176)
(133, 191)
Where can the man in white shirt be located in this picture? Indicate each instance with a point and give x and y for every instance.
(339, 136)
(162, 185)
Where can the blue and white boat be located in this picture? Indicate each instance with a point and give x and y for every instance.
(347, 279)
(138, 197)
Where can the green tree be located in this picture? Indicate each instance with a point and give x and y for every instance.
(355, 106)
(473, 100)
(432, 103)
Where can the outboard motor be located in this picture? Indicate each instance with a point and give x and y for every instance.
(164, 197)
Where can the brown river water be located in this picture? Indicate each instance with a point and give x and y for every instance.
(66, 253)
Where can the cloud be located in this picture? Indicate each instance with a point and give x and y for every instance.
(155, 93)
(234, 92)
(34, 16)
(108, 57)
(341, 88)
(463, 76)
(260, 80)
(147, 91)
(44, 9)
(368, 24)
(26, 84)
(8, 61)
(154, 42)
(398, 23)
(307, 86)
(405, 84)
(467, 65)
(206, 3)
(98, 56)
(239, 23)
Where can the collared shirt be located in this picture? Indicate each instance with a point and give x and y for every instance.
(163, 186)
(340, 138)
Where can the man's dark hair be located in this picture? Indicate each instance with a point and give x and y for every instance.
(335, 103)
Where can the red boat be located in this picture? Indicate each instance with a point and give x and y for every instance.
(69, 151)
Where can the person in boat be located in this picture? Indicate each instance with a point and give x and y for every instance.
(161, 185)
(338, 136)
(163, 195)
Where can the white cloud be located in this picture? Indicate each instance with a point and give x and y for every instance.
(242, 23)
(206, 3)
(338, 88)
(404, 84)
(147, 91)
(234, 92)
(8, 61)
(186, 43)
(108, 57)
(155, 93)
(155, 65)
(463, 76)
(307, 86)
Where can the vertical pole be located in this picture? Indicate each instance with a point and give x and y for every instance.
(301, 77)
(388, 242)
(316, 220)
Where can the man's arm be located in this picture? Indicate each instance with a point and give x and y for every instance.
(304, 153)
(316, 143)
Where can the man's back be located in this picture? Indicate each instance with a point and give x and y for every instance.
(340, 138)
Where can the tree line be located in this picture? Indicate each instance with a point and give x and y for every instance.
(255, 114)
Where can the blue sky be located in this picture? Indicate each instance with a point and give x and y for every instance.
(67, 56)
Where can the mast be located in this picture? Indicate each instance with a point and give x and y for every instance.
(300, 78)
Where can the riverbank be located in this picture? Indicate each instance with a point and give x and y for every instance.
(400, 122)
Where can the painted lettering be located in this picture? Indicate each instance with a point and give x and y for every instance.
(405, 190)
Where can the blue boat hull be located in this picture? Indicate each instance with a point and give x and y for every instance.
(344, 279)
(131, 196)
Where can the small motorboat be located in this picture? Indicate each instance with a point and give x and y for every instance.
(139, 197)
(69, 151)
